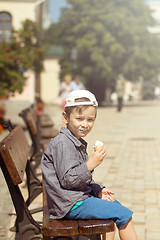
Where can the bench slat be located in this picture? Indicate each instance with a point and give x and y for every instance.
(31, 123)
(61, 227)
(15, 151)
(46, 123)
(98, 226)
(49, 132)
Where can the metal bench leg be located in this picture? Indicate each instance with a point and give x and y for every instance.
(26, 227)
(33, 183)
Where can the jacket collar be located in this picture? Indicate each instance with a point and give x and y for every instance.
(77, 142)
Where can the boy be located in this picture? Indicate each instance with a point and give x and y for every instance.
(67, 171)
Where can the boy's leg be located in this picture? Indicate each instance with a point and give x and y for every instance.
(127, 231)
(95, 208)
(109, 235)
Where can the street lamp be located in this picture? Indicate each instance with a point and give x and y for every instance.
(38, 11)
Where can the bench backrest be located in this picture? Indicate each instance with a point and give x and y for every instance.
(30, 118)
(14, 152)
(31, 122)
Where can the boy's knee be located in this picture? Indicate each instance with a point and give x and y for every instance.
(125, 225)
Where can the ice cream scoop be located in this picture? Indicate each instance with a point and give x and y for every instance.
(97, 145)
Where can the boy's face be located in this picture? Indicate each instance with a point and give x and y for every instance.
(80, 124)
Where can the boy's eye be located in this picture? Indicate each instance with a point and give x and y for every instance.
(79, 118)
(90, 120)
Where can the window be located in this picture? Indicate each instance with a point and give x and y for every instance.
(5, 27)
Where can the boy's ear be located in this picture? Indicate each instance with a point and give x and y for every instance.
(64, 117)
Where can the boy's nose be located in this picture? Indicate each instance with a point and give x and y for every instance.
(84, 123)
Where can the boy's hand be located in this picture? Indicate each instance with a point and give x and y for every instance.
(96, 158)
(105, 194)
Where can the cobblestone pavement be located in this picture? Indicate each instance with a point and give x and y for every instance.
(131, 168)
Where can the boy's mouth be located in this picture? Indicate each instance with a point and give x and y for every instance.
(83, 129)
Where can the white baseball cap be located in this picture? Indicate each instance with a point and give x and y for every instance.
(77, 94)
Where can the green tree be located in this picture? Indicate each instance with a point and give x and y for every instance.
(111, 37)
(32, 51)
(11, 78)
(21, 53)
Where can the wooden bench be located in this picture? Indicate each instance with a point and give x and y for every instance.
(14, 152)
(44, 119)
(40, 131)
(43, 123)
(34, 185)
(40, 136)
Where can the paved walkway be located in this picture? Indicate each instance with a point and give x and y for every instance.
(131, 168)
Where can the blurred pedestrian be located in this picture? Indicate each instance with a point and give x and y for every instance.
(120, 88)
(157, 92)
(77, 84)
(65, 89)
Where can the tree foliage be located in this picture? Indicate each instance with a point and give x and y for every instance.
(11, 79)
(21, 53)
(111, 37)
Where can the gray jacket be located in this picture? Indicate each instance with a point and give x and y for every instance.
(65, 173)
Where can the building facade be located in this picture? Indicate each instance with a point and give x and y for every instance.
(12, 14)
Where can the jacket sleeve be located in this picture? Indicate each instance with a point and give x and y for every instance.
(72, 172)
(96, 188)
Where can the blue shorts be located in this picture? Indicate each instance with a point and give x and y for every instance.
(96, 208)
